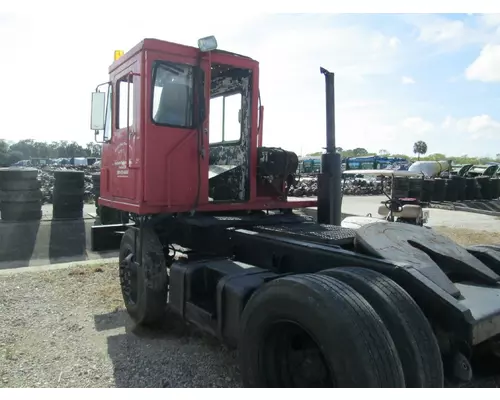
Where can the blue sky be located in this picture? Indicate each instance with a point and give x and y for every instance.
(400, 78)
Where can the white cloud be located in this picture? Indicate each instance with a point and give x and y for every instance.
(486, 67)
(394, 42)
(417, 125)
(407, 80)
(490, 20)
(441, 30)
(60, 71)
(451, 34)
(474, 128)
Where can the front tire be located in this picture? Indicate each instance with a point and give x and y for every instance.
(144, 284)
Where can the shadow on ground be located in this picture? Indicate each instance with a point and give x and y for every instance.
(17, 242)
(68, 241)
(173, 355)
(490, 207)
(484, 205)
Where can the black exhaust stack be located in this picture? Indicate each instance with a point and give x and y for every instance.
(330, 178)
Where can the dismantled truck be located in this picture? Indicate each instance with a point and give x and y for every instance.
(214, 239)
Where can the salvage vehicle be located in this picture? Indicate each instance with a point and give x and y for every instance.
(482, 170)
(460, 169)
(215, 239)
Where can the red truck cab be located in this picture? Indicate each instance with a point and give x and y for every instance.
(182, 131)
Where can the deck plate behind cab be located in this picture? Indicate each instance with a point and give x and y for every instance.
(433, 255)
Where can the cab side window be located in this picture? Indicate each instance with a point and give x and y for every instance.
(172, 103)
(125, 99)
(225, 118)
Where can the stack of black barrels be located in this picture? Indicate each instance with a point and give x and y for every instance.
(456, 188)
(67, 198)
(20, 194)
(427, 189)
(400, 187)
(404, 187)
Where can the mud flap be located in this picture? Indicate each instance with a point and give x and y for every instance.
(107, 237)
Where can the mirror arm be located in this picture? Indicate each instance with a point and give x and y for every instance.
(96, 133)
(102, 84)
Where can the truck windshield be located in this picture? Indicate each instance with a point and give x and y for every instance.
(172, 95)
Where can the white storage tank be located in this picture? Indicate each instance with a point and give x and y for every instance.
(429, 168)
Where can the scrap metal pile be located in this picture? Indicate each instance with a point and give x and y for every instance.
(308, 187)
(47, 179)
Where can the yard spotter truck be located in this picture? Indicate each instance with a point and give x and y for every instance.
(214, 239)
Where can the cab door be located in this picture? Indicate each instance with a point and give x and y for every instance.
(176, 156)
(125, 139)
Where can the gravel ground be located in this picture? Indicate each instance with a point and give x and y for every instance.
(469, 237)
(68, 328)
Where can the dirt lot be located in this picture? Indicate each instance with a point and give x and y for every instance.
(468, 237)
(67, 328)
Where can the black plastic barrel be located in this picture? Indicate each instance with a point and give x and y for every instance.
(451, 190)
(401, 187)
(485, 187)
(439, 190)
(68, 194)
(20, 194)
(415, 188)
(460, 185)
(427, 190)
(470, 188)
(495, 188)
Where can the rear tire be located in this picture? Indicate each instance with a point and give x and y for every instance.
(144, 288)
(338, 328)
(412, 334)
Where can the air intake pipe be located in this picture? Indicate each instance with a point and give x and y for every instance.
(330, 178)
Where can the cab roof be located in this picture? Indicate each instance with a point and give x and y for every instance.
(165, 47)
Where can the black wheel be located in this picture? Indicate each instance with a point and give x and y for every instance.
(315, 331)
(20, 196)
(412, 334)
(65, 213)
(68, 202)
(17, 174)
(29, 184)
(68, 191)
(145, 286)
(69, 177)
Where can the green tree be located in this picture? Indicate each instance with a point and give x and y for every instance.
(13, 157)
(359, 152)
(93, 149)
(420, 148)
